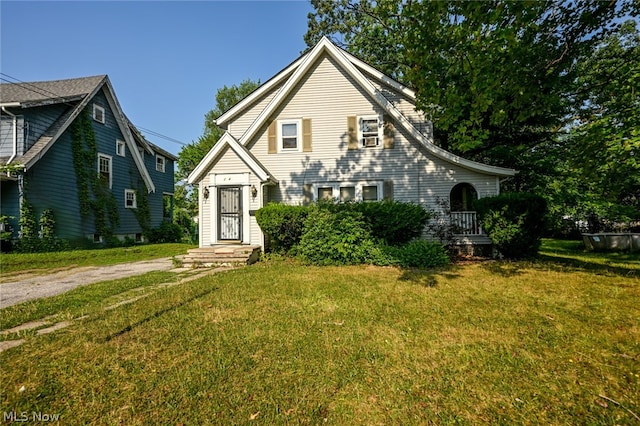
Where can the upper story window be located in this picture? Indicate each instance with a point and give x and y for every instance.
(289, 135)
(130, 199)
(120, 148)
(105, 168)
(160, 163)
(98, 113)
(369, 131)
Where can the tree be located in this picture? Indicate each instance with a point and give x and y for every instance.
(226, 97)
(605, 137)
(493, 76)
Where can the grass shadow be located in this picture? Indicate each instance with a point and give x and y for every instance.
(427, 277)
(567, 263)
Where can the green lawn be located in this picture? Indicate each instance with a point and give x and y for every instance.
(554, 341)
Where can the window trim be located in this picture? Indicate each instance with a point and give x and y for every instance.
(379, 141)
(135, 199)
(164, 163)
(358, 185)
(121, 146)
(298, 123)
(98, 108)
(110, 160)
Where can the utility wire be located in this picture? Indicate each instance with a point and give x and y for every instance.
(41, 91)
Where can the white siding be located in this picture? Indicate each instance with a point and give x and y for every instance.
(229, 163)
(327, 96)
(240, 124)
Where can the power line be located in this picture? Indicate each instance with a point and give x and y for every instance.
(41, 91)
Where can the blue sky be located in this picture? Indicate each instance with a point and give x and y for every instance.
(165, 59)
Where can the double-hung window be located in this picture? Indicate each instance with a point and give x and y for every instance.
(105, 169)
(290, 135)
(160, 163)
(98, 113)
(369, 131)
(130, 199)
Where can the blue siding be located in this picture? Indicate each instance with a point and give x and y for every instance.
(51, 182)
(9, 203)
(39, 119)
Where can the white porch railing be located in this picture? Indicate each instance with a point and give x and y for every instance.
(465, 223)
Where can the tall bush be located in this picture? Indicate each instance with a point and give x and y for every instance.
(282, 224)
(340, 238)
(395, 222)
(515, 222)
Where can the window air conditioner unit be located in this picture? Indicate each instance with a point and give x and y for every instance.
(370, 141)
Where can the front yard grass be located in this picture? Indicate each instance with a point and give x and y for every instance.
(553, 341)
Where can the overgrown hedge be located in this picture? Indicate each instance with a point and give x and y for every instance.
(515, 222)
(379, 233)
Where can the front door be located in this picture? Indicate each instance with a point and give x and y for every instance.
(230, 213)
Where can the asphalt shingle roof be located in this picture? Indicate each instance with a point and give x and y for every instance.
(32, 93)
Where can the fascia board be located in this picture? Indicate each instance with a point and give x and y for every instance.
(408, 126)
(209, 160)
(305, 64)
(256, 94)
(128, 136)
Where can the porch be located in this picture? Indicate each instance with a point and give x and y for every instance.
(465, 223)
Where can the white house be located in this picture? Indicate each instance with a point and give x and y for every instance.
(330, 126)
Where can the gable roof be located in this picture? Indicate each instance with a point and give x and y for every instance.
(31, 94)
(227, 140)
(356, 68)
(48, 92)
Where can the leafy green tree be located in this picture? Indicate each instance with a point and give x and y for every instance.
(494, 76)
(606, 136)
(226, 97)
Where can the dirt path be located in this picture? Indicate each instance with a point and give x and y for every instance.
(38, 286)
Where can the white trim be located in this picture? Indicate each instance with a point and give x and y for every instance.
(298, 123)
(101, 117)
(358, 185)
(110, 158)
(121, 148)
(379, 136)
(164, 163)
(304, 66)
(123, 125)
(229, 141)
(135, 201)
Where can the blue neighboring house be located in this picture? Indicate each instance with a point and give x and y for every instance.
(45, 125)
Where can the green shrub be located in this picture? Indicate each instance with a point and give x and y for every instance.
(395, 222)
(167, 232)
(418, 254)
(515, 222)
(282, 224)
(340, 238)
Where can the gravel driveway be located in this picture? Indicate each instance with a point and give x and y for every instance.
(38, 286)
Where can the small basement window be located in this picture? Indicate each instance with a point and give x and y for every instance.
(98, 113)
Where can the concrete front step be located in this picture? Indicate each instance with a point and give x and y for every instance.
(221, 254)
